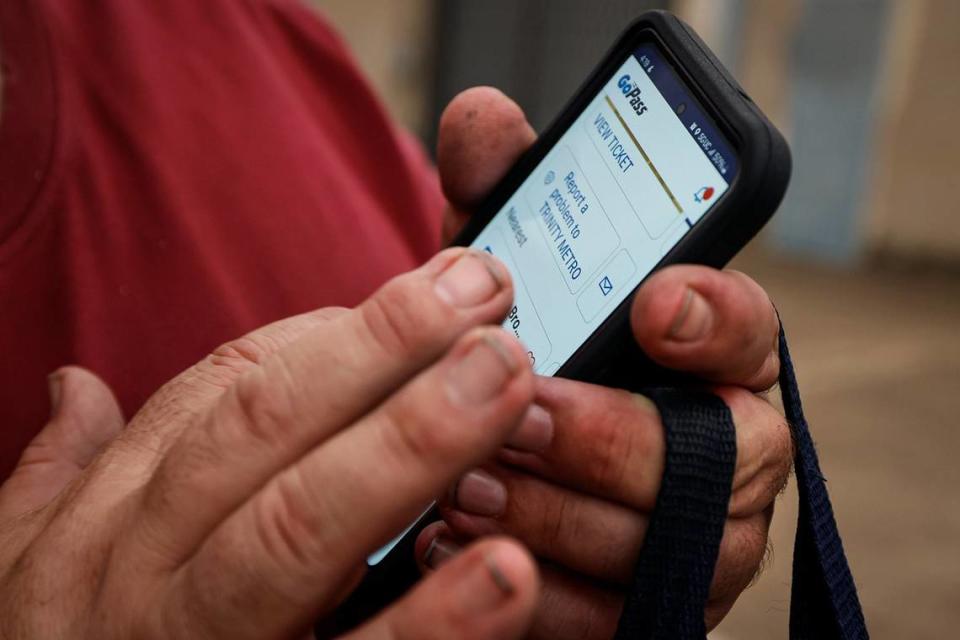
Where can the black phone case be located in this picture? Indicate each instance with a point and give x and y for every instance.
(726, 227)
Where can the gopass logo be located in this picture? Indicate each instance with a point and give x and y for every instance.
(632, 92)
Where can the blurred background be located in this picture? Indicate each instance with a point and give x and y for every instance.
(863, 259)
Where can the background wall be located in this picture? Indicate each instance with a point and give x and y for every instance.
(863, 260)
(859, 85)
(916, 165)
(537, 52)
(395, 43)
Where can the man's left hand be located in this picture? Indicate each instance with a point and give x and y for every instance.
(582, 472)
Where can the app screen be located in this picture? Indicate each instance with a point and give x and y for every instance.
(622, 186)
(632, 175)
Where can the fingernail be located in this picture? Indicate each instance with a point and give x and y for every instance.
(694, 319)
(472, 279)
(489, 581)
(497, 575)
(535, 432)
(55, 387)
(483, 372)
(439, 551)
(481, 494)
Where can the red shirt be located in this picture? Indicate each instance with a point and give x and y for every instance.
(174, 174)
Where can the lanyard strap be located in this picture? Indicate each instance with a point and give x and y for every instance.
(824, 602)
(673, 573)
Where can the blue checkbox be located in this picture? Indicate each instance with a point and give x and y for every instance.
(606, 286)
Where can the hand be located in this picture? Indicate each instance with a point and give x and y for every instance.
(242, 500)
(581, 474)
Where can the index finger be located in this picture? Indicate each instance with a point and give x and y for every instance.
(310, 389)
(288, 551)
(717, 325)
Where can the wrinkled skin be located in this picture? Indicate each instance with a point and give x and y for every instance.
(581, 477)
(241, 501)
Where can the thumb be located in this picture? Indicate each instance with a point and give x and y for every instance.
(84, 418)
(488, 591)
(482, 133)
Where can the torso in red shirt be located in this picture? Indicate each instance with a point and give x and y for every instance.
(174, 174)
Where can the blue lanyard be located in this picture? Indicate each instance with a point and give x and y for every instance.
(673, 573)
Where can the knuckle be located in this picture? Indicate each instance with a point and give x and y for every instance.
(328, 314)
(781, 441)
(288, 524)
(230, 360)
(742, 551)
(765, 450)
(256, 347)
(402, 318)
(777, 450)
(250, 349)
(412, 435)
(782, 460)
(265, 405)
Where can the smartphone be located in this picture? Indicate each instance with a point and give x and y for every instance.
(659, 158)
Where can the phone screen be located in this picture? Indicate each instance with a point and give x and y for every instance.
(630, 177)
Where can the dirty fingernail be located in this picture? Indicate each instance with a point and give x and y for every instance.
(694, 319)
(471, 280)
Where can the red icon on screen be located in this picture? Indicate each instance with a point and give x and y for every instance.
(703, 194)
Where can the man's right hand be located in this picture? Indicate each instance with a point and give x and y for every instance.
(242, 500)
